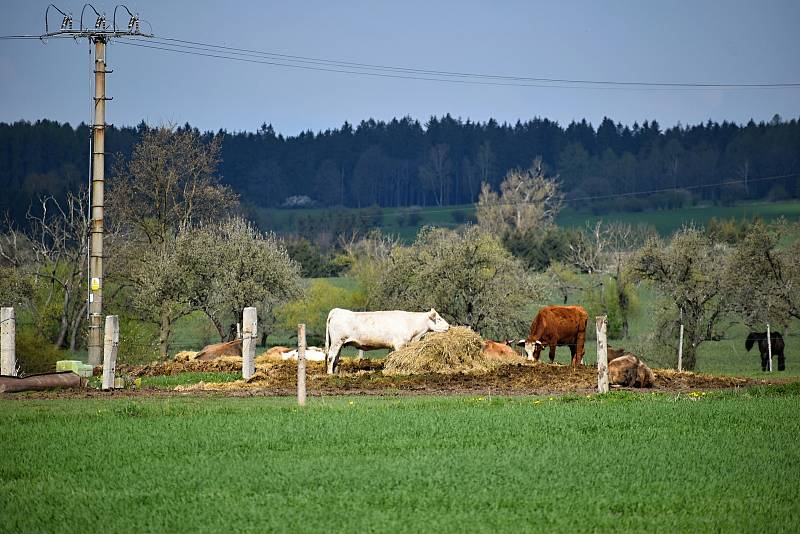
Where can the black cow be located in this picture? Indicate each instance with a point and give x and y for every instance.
(777, 347)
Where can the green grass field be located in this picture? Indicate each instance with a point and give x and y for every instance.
(725, 461)
(665, 221)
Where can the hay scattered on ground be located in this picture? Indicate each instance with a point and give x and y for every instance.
(186, 356)
(457, 350)
(673, 380)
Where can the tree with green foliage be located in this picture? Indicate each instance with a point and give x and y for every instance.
(313, 307)
(688, 272)
(231, 265)
(467, 276)
(169, 186)
(763, 276)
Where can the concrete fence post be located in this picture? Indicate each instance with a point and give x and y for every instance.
(8, 336)
(110, 346)
(301, 364)
(601, 322)
(249, 337)
(769, 347)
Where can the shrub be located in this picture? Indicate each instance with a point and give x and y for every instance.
(35, 354)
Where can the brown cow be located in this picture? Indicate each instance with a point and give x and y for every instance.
(557, 325)
(630, 371)
(218, 350)
(499, 351)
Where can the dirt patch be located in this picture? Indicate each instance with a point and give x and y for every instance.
(366, 377)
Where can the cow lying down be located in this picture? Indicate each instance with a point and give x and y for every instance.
(626, 369)
(313, 354)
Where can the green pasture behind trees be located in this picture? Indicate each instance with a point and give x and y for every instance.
(623, 462)
(391, 220)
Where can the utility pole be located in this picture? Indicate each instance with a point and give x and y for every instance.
(100, 35)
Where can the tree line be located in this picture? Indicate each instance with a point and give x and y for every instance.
(444, 161)
(176, 244)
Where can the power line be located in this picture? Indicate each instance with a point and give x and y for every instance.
(229, 50)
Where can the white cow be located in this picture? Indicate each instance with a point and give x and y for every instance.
(376, 330)
(313, 354)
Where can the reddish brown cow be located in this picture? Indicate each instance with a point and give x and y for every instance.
(557, 325)
(218, 350)
(499, 351)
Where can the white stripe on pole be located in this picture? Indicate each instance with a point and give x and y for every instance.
(769, 347)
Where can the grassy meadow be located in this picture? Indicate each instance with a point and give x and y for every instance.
(721, 461)
(665, 221)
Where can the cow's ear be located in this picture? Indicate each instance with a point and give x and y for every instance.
(521, 342)
(432, 314)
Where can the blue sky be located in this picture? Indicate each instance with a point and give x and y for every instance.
(669, 41)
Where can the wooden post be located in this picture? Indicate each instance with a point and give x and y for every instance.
(8, 356)
(301, 364)
(110, 345)
(602, 354)
(249, 338)
(769, 347)
(680, 351)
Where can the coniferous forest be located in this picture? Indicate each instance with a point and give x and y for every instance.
(404, 162)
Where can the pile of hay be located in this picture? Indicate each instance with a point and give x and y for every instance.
(459, 349)
(186, 356)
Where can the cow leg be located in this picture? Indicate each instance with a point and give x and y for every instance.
(573, 350)
(764, 361)
(552, 353)
(580, 341)
(781, 362)
(332, 358)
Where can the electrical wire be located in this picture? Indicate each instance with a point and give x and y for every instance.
(228, 50)
(363, 69)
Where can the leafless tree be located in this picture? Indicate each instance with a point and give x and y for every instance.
(52, 251)
(435, 172)
(528, 200)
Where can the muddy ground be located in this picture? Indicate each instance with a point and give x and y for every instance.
(366, 377)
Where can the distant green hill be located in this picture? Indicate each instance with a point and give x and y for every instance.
(396, 220)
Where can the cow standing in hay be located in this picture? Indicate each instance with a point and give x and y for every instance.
(376, 330)
(554, 326)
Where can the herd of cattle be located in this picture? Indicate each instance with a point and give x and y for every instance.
(552, 327)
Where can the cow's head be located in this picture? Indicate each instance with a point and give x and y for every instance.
(530, 346)
(436, 323)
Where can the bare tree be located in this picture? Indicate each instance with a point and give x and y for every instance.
(528, 200)
(53, 253)
(435, 172)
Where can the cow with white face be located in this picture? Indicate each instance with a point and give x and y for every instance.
(376, 330)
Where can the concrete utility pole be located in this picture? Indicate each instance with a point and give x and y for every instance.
(100, 35)
(97, 192)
